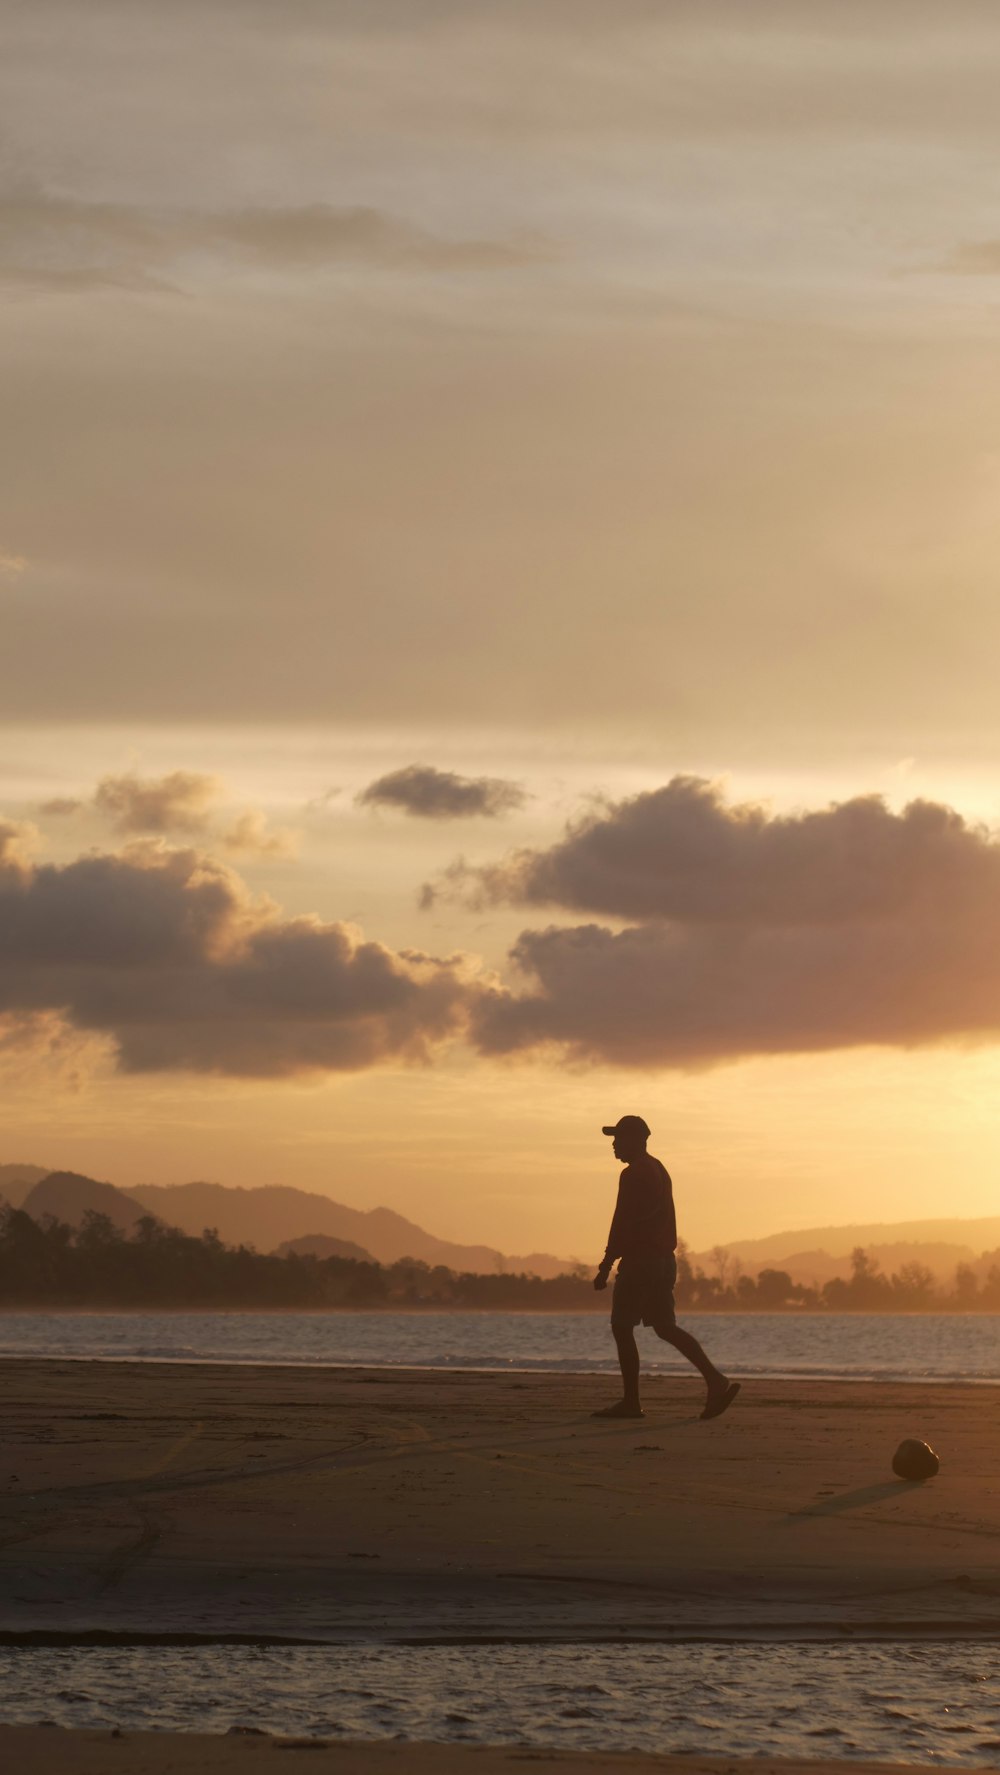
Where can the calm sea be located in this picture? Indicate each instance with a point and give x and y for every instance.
(912, 1347)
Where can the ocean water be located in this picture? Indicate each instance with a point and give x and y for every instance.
(927, 1703)
(874, 1347)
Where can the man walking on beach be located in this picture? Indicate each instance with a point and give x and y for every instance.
(644, 1237)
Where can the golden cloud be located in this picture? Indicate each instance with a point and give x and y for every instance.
(747, 933)
(165, 952)
(175, 803)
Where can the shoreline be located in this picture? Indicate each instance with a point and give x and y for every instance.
(797, 1376)
(418, 1311)
(983, 1631)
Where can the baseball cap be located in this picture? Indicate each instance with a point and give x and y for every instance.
(628, 1125)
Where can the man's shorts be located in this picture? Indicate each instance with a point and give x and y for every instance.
(644, 1292)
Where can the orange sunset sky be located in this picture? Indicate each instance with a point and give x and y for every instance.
(499, 537)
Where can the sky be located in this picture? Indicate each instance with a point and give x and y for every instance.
(499, 528)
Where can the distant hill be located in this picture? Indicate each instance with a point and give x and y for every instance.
(271, 1218)
(819, 1253)
(281, 1218)
(66, 1196)
(321, 1245)
(17, 1180)
(273, 1215)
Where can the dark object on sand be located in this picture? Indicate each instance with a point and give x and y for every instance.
(915, 1460)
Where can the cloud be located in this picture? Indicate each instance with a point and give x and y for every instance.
(750, 934)
(975, 258)
(429, 794)
(716, 932)
(249, 836)
(178, 802)
(12, 566)
(318, 233)
(165, 953)
(320, 803)
(66, 243)
(17, 841)
(681, 853)
(40, 1051)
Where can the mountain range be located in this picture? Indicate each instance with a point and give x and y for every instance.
(272, 1218)
(815, 1254)
(281, 1218)
(17, 1180)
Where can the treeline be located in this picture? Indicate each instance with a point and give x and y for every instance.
(913, 1288)
(49, 1264)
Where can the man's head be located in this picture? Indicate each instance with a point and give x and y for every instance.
(629, 1136)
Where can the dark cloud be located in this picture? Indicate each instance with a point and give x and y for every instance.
(744, 934)
(754, 934)
(680, 997)
(165, 952)
(429, 794)
(681, 853)
(67, 243)
(178, 802)
(62, 805)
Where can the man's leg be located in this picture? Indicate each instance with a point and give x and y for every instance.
(721, 1390)
(628, 1361)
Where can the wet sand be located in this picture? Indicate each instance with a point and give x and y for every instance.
(307, 1504)
(33, 1750)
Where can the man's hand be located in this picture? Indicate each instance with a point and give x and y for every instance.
(601, 1280)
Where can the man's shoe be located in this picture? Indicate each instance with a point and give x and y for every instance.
(720, 1400)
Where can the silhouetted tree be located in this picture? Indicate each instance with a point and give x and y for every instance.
(46, 1263)
(966, 1292)
(774, 1289)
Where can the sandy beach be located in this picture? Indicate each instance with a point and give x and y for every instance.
(32, 1750)
(167, 1500)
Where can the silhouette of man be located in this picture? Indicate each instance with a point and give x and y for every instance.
(643, 1237)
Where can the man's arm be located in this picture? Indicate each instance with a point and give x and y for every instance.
(614, 1247)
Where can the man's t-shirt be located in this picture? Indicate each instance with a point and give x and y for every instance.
(644, 1223)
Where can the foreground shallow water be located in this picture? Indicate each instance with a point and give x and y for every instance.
(932, 1703)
